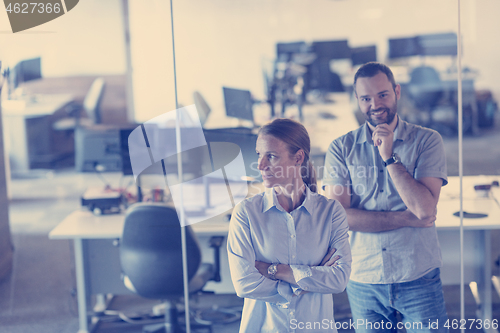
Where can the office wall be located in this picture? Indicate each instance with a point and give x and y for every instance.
(224, 42)
(87, 40)
(246, 33)
(480, 30)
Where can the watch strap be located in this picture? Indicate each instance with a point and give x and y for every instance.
(393, 159)
(389, 161)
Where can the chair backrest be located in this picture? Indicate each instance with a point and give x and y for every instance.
(202, 107)
(425, 86)
(424, 75)
(150, 251)
(93, 99)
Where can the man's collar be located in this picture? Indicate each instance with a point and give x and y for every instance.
(271, 200)
(401, 130)
(364, 134)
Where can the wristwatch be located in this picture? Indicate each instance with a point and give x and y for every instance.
(272, 270)
(393, 159)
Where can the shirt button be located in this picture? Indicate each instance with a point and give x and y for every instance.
(381, 191)
(381, 170)
(384, 249)
(293, 236)
(293, 256)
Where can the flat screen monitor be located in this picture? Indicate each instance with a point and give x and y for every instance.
(288, 49)
(403, 47)
(333, 49)
(27, 70)
(444, 44)
(246, 140)
(362, 55)
(238, 103)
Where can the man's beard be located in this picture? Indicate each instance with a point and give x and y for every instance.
(389, 112)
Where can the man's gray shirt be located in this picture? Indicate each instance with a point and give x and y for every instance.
(400, 255)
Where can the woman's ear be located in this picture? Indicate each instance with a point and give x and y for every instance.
(299, 157)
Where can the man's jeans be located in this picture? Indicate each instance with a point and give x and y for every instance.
(420, 303)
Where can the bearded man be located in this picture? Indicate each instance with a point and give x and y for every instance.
(388, 174)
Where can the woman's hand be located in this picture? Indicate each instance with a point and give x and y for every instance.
(329, 259)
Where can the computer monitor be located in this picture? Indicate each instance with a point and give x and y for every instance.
(403, 47)
(444, 44)
(27, 70)
(246, 140)
(362, 55)
(238, 103)
(332, 49)
(286, 50)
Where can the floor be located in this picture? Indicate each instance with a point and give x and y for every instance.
(40, 296)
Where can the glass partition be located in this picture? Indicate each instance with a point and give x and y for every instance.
(280, 51)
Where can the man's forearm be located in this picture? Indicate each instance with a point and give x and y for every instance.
(416, 196)
(374, 221)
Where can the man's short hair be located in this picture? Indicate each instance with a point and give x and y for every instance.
(370, 69)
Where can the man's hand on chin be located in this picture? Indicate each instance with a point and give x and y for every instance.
(382, 137)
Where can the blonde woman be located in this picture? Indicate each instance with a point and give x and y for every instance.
(288, 246)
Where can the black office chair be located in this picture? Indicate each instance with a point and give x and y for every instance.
(91, 106)
(425, 87)
(151, 259)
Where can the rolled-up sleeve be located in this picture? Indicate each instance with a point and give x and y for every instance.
(431, 160)
(329, 279)
(247, 280)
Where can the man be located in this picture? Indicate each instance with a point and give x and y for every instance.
(388, 174)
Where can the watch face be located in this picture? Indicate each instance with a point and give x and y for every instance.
(271, 270)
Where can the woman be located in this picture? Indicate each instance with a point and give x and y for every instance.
(281, 242)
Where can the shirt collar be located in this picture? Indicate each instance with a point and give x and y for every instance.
(400, 132)
(271, 200)
(364, 134)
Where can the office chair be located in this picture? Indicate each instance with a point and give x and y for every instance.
(425, 87)
(202, 107)
(151, 259)
(91, 105)
(77, 128)
(425, 90)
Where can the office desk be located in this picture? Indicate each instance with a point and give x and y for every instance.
(477, 237)
(28, 126)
